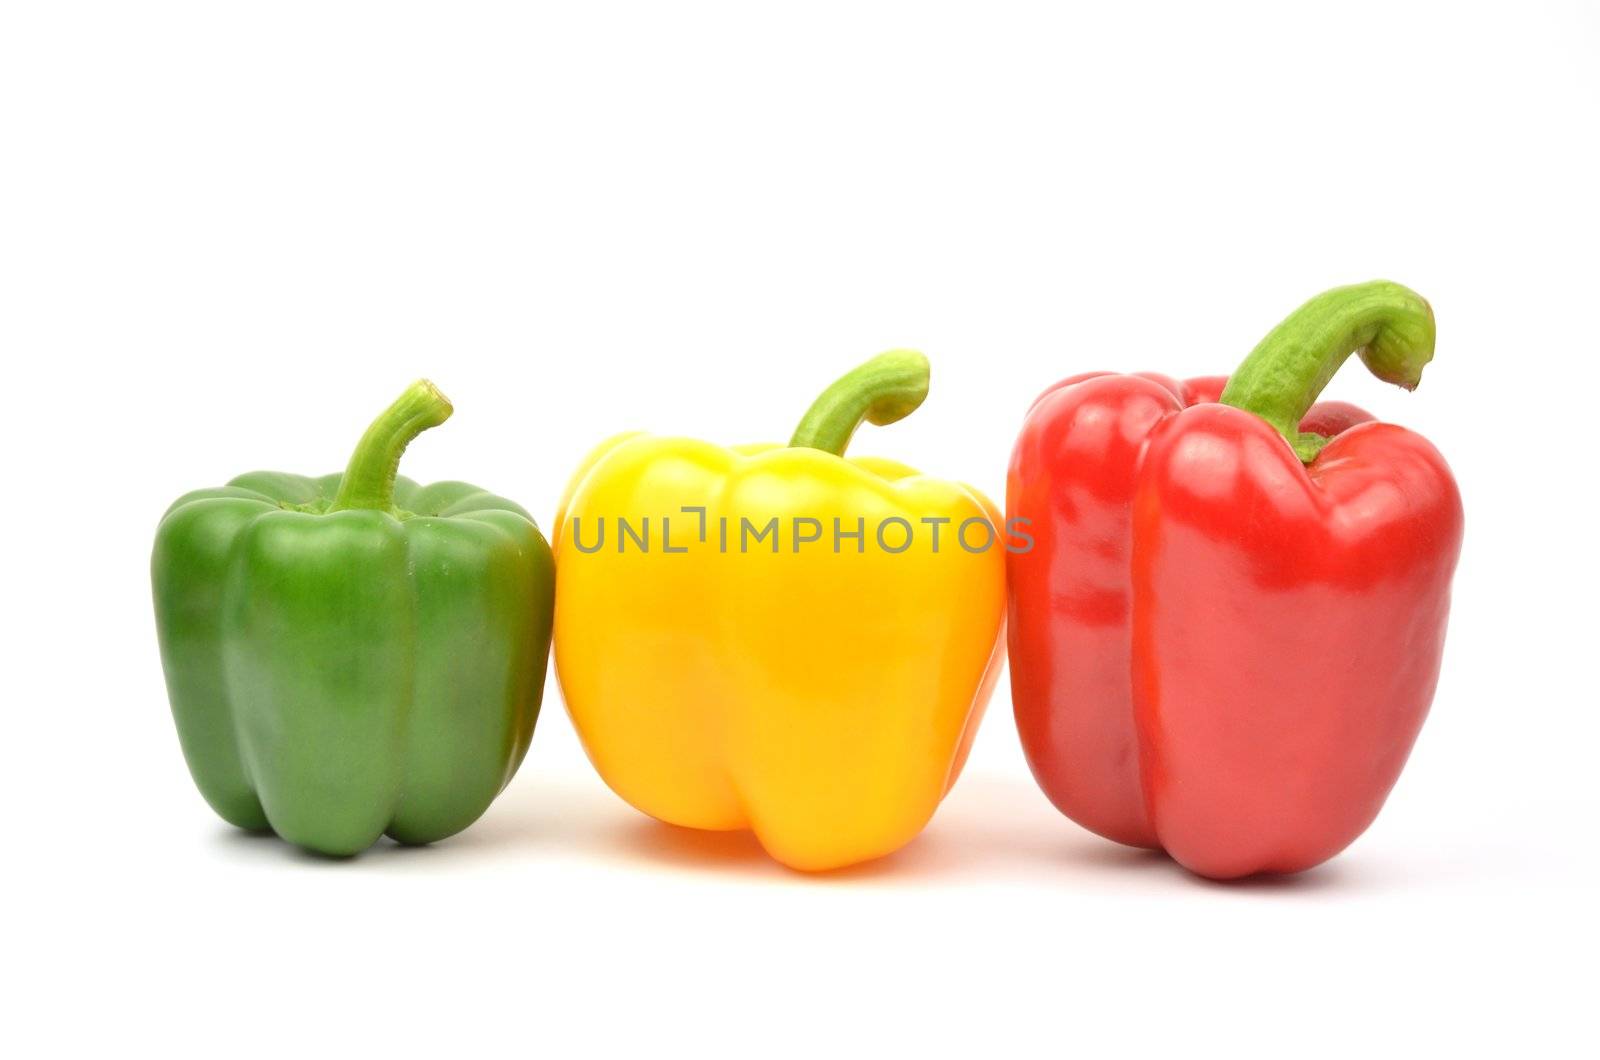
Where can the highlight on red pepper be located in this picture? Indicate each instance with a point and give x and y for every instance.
(1228, 632)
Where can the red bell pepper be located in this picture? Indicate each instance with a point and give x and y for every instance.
(1228, 631)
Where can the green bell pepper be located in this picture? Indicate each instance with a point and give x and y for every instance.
(354, 654)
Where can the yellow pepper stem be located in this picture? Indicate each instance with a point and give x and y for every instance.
(885, 389)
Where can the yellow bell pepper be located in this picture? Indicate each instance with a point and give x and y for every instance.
(781, 639)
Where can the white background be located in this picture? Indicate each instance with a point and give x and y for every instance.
(229, 234)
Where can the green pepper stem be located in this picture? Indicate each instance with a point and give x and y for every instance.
(369, 477)
(1390, 326)
(885, 389)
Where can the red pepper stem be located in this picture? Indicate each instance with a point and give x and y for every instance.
(369, 478)
(885, 389)
(1390, 326)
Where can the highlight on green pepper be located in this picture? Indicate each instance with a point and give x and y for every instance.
(353, 655)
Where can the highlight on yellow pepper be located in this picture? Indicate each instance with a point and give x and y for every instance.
(781, 638)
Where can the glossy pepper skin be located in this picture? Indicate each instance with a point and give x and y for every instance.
(353, 655)
(1229, 631)
(825, 700)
